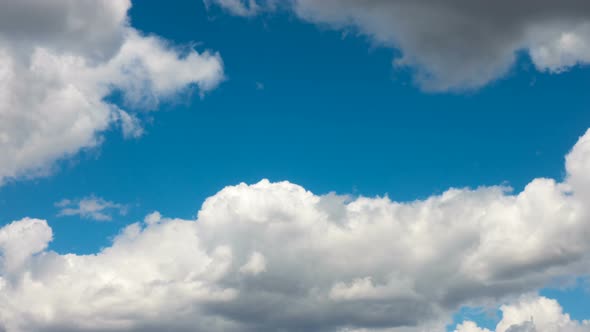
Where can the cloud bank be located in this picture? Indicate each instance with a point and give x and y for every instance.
(274, 256)
(59, 62)
(454, 44)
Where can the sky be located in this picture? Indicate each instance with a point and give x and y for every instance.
(295, 165)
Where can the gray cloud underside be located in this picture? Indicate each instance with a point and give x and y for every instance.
(454, 44)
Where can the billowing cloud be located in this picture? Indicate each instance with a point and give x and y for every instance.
(60, 61)
(91, 207)
(456, 44)
(21, 239)
(531, 314)
(276, 257)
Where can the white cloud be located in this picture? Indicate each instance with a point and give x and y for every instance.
(255, 265)
(92, 207)
(152, 218)
(456, 44)
(130, 125)
(21, 239)
(60, 59)
(532, 314)
(557, 50)
(274, 256)
(237, 7)
(469, 326)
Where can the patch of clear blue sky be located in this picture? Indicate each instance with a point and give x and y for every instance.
(334, 115)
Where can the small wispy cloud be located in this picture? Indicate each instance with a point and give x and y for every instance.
(91, 207)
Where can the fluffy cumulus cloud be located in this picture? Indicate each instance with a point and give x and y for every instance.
(91, 207)
(276, 257)
(21, 239)
(456, 44)
(60, 60)
(531, 314)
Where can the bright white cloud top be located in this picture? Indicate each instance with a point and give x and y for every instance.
(60, 59)
(454, 44)
(274, 256)
(532, 314)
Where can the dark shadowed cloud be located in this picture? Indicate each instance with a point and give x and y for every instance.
(454, 44)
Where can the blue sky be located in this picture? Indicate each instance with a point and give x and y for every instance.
(316, 105)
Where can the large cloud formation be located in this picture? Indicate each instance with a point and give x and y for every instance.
(59, 62)
(276, 257)
(454, 44)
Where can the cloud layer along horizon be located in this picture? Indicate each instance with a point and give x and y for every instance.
(456, 44)
(274, 256)
(59, 63)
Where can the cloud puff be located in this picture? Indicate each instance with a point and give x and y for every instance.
(92, 207)
(457, 44)
(60, 60)
(531, 314)
(274, 256)
(21, 239)
(237, 7)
